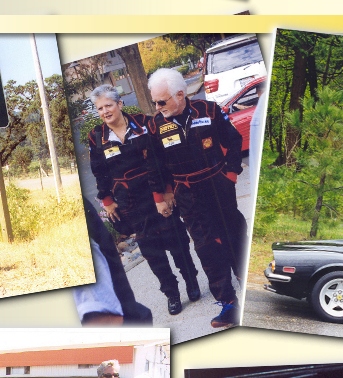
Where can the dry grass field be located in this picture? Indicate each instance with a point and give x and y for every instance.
(55, 252)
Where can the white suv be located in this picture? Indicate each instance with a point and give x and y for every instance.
(230, 64)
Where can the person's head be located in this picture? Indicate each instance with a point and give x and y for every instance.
(260, 89)
(108, 369)
(107, 102)
(168, 91)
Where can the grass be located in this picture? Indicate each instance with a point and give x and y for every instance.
(284, 228)
(56, 255)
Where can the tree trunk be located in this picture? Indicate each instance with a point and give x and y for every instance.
(312, 76)
(297, 92)
(132, 58)
(319, 205)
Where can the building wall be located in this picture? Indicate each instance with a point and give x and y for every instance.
(152, 361)
(66, 371)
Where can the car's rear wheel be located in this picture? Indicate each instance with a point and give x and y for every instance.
(327, 297)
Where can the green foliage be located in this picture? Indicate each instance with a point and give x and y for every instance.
(20, 160)
(183, 69)
(322, 54)
(89, 124)
(132, 109)
(28, 219)
(163, 52)
(26, 119)
(294, 191)
(199, 41)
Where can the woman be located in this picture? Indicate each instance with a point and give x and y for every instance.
(118, 152)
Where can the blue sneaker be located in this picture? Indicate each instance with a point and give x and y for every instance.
(229, 315)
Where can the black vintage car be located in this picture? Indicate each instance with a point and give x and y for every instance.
(311, 270)
(284, 371)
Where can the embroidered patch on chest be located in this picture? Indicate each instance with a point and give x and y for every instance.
(171, 140)
(113, 151)
(205, 121)
(207, 143)
(168, 127)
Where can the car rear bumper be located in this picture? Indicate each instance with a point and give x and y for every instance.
(272, 277)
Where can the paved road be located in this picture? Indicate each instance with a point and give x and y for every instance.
(194, 320)
(277, 312)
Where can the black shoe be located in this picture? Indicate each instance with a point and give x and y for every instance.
(174, 305)
(229, 315)
(193, 291)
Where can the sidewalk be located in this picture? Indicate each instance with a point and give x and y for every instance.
(194, 320)
(194, 88)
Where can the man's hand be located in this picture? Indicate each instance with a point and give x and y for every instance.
(163, 208)
(169, 200)
(99, 319)
(111, 211)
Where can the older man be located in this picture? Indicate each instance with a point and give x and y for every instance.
(195, 141)
(108, 369)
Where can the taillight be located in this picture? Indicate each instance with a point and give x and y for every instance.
(272, 266)
(288, 269)
(211, 86)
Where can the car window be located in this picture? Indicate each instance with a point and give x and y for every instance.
(234, 57)
(248, 99)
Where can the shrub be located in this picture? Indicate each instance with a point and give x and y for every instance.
(28, 219)
(183, 69)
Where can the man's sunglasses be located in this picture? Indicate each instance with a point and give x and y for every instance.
(161, 102)
(109, 375)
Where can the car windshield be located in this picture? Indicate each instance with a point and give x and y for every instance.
(234, 57)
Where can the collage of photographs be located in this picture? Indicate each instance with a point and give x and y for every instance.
(171, 203)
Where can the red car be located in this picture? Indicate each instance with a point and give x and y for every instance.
(241, 106)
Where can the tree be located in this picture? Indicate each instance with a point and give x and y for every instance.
(200, 41)
(305, 62)
(21, 158)
(26, 125)
(59, 116)
(322, 126)
(163, 52)
(18, 99)
(133, 61)
(85, 75)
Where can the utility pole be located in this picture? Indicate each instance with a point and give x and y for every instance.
(47, 119)
(5, 219)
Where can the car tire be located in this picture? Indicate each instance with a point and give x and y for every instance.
(327, 297)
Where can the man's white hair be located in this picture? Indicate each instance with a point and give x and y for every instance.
(170, 78)
(105, 364)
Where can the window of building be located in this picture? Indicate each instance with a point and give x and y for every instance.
(19, 370)
(86, 366)
(112, 53)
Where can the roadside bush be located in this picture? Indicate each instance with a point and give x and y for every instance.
(28, 219)
(183, 69)
(91, 121)
(24, 217)
(133, 109)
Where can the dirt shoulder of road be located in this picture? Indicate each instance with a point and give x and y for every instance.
(256, 281)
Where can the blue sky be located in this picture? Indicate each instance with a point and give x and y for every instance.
(16, 60)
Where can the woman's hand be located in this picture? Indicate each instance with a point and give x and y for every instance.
(111, 211)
